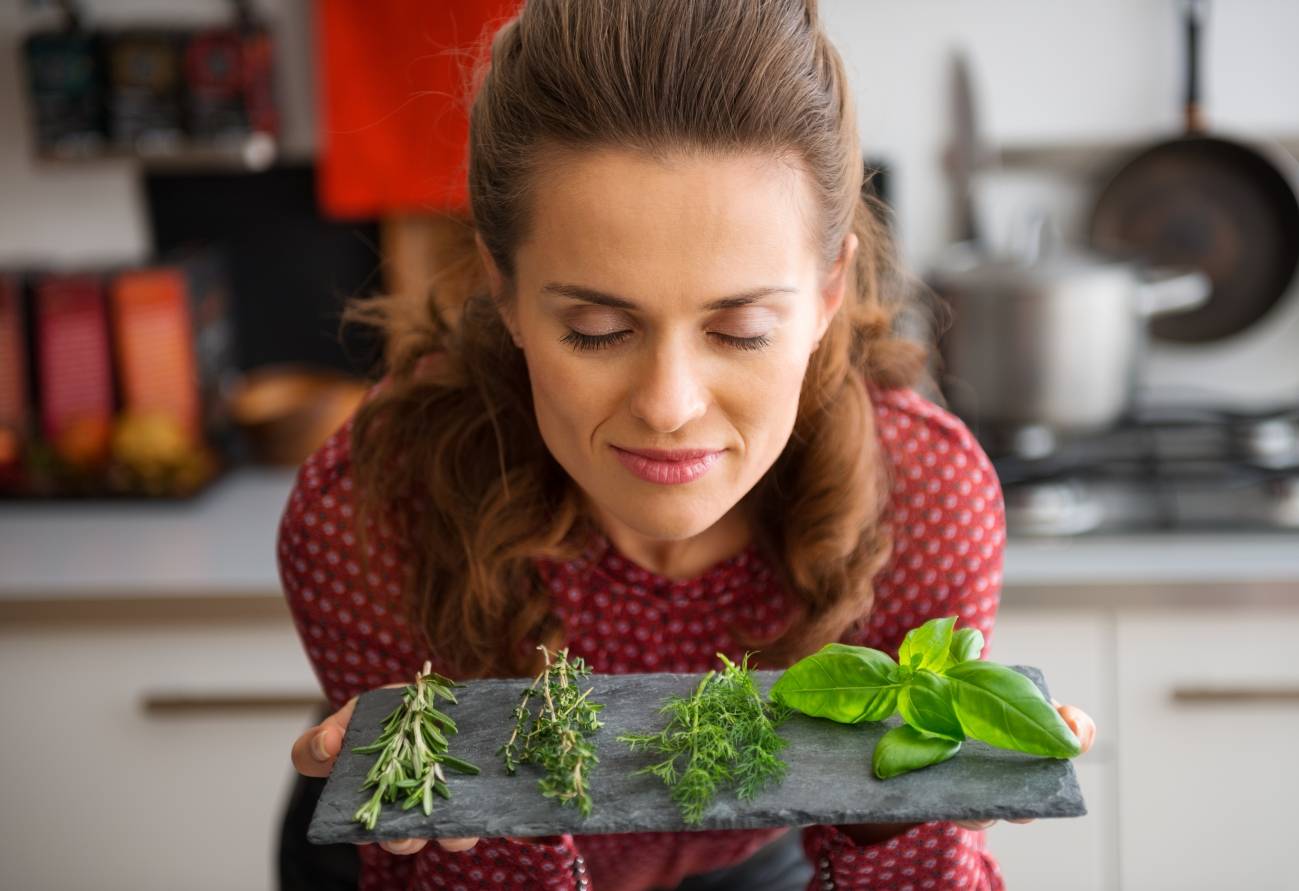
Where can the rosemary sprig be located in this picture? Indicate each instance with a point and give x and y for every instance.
(413, 749)
(723, 734)
(556, 735)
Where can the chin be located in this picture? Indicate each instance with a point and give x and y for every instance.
(662, 522)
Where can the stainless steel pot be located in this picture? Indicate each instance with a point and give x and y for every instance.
(1050, 339)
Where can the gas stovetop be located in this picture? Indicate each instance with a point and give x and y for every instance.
(1160, 468)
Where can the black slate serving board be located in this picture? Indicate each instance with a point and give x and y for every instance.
(829, 778)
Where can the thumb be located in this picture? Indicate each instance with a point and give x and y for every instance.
(457, 844)
(314, 751)
(1079, 722)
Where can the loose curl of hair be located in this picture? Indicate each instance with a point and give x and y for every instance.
(451, 455)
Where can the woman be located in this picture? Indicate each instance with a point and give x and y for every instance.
(663, 415)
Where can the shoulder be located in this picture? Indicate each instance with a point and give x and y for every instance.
(933, 459)
(324, 491)
(320, 530)
(317, 548)
(947, 517)
(323, 499)
(322, 515)
(922, 436)
(342, 588)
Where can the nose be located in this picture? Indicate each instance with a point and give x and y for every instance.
(669, 390)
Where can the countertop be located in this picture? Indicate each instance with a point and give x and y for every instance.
(222, 544)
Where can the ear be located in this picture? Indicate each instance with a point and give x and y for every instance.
(832, 291)
(496, 282)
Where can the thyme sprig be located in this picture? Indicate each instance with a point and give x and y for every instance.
(556, 736)
(722, 735)
(413, 749)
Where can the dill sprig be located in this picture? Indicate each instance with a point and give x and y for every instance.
(556, 736)
(412, 749)
(722, 735)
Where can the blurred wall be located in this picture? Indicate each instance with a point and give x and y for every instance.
(1043, 72)
(1047, 72)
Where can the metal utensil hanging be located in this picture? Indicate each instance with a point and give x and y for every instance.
(1224, 206)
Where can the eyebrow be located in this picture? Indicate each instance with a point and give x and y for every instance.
(590, 295)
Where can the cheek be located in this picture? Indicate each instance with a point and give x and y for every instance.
(763, 402)
(570, 402)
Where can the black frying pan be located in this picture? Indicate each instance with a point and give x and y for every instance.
(1209, 203)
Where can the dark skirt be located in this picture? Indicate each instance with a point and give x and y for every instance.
(778, 866)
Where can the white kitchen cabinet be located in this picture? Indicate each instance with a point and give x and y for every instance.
(1182, 793)
(1074, 648)
(1073, 854)
(1209, 712)
(100, 793)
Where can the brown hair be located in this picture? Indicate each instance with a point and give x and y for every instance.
(454, 457)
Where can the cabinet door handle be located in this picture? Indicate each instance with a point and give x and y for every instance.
(189, 702)
(1197, 694)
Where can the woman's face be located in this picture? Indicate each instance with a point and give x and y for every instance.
(669, 307)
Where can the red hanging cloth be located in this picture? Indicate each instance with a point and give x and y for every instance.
(393, 106)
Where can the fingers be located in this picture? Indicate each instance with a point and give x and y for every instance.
(1079, 722)
(404, 846)
(979, 825)
(315, 750)
(457, 844)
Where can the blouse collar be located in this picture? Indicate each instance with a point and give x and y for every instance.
(602, 557)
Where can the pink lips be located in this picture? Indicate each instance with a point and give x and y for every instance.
(668, 467)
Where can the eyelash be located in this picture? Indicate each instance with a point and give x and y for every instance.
(589, 342)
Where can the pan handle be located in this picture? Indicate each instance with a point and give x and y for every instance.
(1194, 13)
(1171, 290)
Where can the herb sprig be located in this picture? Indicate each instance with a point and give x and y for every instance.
(724, 734)
(412, 749)
(557, 735)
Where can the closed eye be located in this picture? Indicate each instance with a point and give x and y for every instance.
(586, 342)
(589, 342)
(745, 343)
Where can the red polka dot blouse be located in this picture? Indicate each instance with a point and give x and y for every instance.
(949, 534)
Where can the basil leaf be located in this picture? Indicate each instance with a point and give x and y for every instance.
(1005, 709)
(927, 646)
(904, 749)
(967, 644)
(925, 702)
(842, 683)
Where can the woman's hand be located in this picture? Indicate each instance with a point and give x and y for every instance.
(314, 754)
(1082, 726)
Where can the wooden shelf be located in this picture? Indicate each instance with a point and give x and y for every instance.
(1092, 160)
(254, 154)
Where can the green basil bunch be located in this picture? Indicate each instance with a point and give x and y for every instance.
(939, 686)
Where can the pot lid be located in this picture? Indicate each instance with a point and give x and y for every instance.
(969, 265)
(1037, 257)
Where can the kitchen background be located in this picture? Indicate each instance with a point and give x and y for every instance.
(1152, 570)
